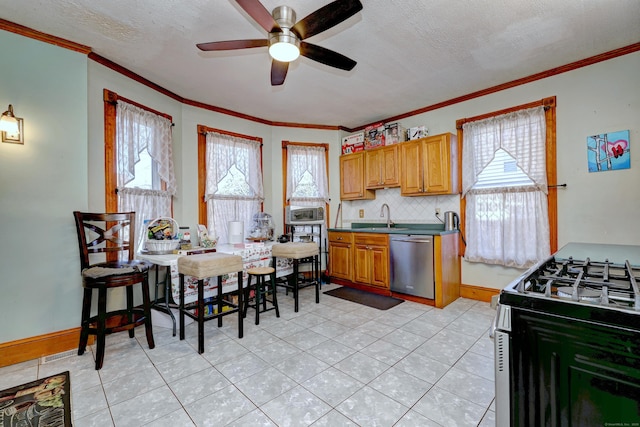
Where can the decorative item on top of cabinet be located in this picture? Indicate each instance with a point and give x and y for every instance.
(382, 167)
(429, 166)
(352, 178)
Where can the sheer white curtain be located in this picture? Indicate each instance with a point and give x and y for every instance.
(233, 182)
(307, 182)
(307, 176)
(137, 130)
(507, 225)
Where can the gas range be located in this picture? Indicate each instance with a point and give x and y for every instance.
(583, 280)
(567, 340)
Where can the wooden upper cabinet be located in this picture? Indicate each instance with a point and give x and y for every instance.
(429, 166)
(382, 167)
(352, 178)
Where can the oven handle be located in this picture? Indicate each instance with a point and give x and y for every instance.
(494, 323)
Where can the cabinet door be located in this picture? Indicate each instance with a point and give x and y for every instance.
(379, 261)
(361, 264)
(390, 167)
(381, 167)
(411, 173)
(340, 260)
(352, 178)
(373, 160)
(437, 161)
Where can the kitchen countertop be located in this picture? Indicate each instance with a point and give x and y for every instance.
(381, 228)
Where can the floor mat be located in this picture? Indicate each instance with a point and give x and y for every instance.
(369, 299)
(44, 402)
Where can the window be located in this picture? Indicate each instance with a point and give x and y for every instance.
(138, 145)
(231, 188)
(306, 178)
(506, 176)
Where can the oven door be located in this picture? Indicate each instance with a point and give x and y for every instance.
(570, 372)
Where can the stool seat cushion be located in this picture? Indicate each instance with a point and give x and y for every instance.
(260, 271)
(295, 250)
(202, 266)
(115, 269)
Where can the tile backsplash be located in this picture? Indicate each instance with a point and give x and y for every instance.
(403, 209)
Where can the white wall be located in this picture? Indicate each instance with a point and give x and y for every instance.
(595, 207)
(61, 168)
(41, 183)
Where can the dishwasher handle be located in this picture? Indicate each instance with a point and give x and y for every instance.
(413, 240)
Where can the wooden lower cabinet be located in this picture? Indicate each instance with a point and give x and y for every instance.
(361, 260)
(371, 259)
(340, 255)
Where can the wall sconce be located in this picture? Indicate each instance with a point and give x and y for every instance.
(12, 127)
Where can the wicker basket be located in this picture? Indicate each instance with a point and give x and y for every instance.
(166, 245)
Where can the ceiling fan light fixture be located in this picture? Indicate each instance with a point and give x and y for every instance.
(284, 46)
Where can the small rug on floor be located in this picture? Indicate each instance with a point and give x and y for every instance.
(381, 302)
(44, 402)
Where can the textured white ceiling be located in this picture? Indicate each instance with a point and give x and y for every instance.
(410, 54)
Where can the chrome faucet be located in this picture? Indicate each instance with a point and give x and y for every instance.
(389, 222)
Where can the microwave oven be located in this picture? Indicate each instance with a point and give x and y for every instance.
(304, 215)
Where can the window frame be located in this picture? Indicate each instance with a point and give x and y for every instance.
(110, 156)
(549, 105)
(202, 166)
(285, 170)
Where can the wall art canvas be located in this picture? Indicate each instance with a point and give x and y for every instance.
(609, 151)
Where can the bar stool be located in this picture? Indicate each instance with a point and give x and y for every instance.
(261, 291)
(201, 267)
(299, 252)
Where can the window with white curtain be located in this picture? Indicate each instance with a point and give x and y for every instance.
(144, 162)
(504, 181)
(307, 183)
(233, 190)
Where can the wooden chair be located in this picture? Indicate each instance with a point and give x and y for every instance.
(110, 235)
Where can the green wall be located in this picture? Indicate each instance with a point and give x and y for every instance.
(41, 183)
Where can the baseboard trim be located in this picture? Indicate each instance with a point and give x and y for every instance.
(477, 292)
(42, 345)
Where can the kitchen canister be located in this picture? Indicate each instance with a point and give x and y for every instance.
(236, 232)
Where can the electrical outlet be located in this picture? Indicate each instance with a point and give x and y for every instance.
(437, 211)
(361, 213)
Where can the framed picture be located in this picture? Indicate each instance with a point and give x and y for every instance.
(608, 151)
(15, 138)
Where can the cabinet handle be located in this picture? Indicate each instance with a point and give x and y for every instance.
(339, 238)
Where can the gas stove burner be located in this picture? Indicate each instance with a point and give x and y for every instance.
(584, 294)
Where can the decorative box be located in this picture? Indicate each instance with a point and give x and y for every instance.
(417, 132)
(353, 143)
(394, 133)
(374, 136)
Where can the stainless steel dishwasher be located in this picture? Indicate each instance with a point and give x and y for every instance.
(412, 265)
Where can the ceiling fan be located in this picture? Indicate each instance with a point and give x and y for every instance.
(286, 37)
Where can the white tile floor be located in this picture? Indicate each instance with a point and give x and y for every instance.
(336, 363)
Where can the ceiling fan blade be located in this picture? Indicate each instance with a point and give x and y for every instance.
(233, 44)
(260, 14)
(326, 56)
(278, 72)
(326, 17)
